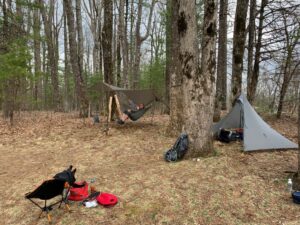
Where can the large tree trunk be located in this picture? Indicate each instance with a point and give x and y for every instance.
(221, 87)
(67, 70)
(168, 51)
(239, 37)
(37, 52)
(79, 83)
(251, 37)
(197, 86)
(107, 41)
(299, 138)
(45, 77)
(119, 41)
(79, 35)
(176, 102)
(124, 44)
(131, 45)
(48, 20)
(255, 74)
(123, 40)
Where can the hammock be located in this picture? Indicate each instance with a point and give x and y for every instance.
(135, 115)
(125, 96)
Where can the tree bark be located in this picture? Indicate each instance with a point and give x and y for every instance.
(221, 86)
(67, 69)
(132, 43)
(299, 137)
(107, 41)
(176, 101)
(79, 35)
(119, 42)
(79, 83)
(197, 86)
(45, 69)
(239, 37)
(48, 20)
(251, 36)
(37, 52)
(168, 51)
(124, 43)
(123, 22)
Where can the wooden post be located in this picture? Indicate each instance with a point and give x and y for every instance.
(109, 109)
(118, 106)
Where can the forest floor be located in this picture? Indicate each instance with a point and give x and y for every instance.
(231, 187)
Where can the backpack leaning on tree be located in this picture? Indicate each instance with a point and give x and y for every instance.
(178, 150)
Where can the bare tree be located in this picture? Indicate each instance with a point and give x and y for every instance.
(176, 106)
(251, 37)
(79, 83)
(239, 38)
(67, 69)
(80, 48)
(221, 86)
(254, 74)
(140, 39)
(299, 138)
(169, 12)
(94, 12)
(37, 50)
(48, 21)
(292, 36)
(107, 41)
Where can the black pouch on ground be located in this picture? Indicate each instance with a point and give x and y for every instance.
(178, 150)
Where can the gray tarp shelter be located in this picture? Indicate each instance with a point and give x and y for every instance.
(258, 135)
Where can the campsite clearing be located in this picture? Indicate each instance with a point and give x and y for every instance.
(232, 187)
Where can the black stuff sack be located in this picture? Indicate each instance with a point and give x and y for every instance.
(178, 150)
(230, 135)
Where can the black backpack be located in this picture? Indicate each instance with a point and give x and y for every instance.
(178, 150)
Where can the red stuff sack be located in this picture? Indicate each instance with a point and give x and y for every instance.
(107, 199)
(79, 191)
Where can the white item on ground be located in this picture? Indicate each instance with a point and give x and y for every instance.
(91, 204)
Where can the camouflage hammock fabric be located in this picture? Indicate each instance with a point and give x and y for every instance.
(145, 97)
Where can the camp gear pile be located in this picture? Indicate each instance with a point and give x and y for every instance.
(64, 184)
(52, 188)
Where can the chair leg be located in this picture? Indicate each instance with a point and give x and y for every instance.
(49, 217)
(40, 214)
(68, 207)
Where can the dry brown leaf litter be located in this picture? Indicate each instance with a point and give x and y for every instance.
(230, 188)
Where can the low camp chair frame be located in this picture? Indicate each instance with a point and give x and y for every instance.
(47, 208)
(60, 185)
